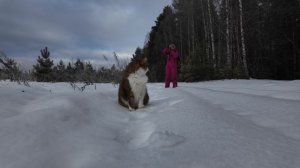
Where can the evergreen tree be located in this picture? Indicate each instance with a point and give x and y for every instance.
(161, 35)
(137, 54)
(89, 73)
(43, 69)
(79, 70)
(70, 73)
(10, 70)
(59, 72)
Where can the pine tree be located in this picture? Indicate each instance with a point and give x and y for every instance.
(59, 72)
(137, 54)
(43, 69)
(70, 73)
(79, 70)
(89, 74)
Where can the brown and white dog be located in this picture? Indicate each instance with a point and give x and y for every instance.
(132, 89)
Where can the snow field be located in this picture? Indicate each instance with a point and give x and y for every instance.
(218, 124)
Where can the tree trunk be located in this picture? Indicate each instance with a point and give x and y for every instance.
(211, 34)
(243, 40)
(205, 31)
(193, 28)
(188, 35)
(228, 55)
(180, 30)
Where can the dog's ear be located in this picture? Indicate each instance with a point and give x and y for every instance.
(143, 61)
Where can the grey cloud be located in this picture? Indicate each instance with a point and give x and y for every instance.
(76, 28)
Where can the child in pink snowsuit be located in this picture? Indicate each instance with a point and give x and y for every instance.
(171, 67)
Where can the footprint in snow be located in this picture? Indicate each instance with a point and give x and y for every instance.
(165, 139)
(143, 135)
(136, 135)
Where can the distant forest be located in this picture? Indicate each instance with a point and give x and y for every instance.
(217, 39)
(223, 39)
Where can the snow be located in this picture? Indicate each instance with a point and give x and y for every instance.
(215, 124)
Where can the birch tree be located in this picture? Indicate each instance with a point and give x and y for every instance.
(206, 40)
(228, 54)
(212, 41)
(244, 59)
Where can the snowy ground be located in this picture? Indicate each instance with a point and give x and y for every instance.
(219, 124)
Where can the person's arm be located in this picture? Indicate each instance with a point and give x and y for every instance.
(175, 55)
(166, 51)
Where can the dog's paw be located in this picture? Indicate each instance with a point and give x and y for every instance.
(131, 109)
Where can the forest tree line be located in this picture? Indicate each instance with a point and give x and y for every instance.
(221, 39)
(46, 71)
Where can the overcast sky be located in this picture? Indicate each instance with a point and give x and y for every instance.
(85, 29)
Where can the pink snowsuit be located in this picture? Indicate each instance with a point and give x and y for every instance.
(171, 66)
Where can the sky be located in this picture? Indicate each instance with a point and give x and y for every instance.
(72, 29)
(212, 124)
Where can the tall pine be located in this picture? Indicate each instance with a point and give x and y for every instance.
(43, 68)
